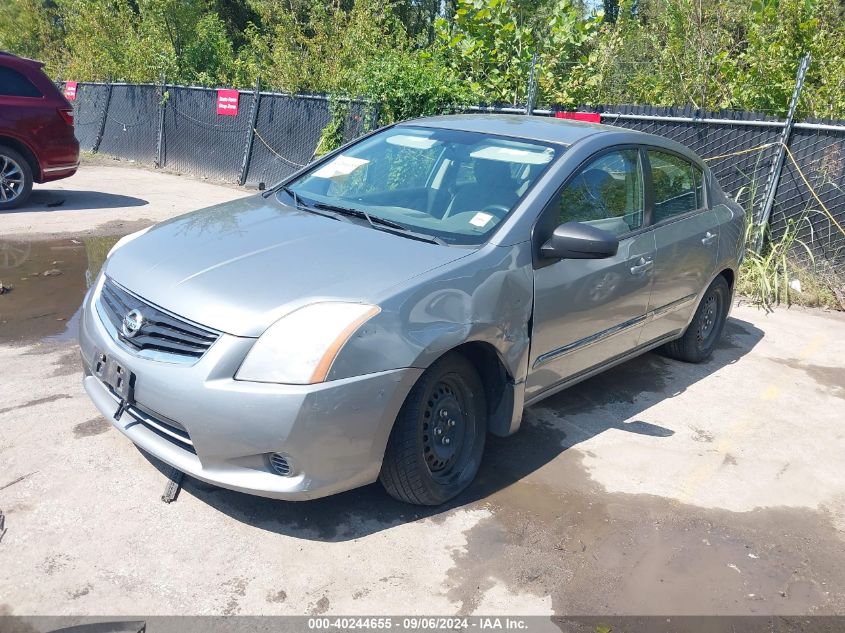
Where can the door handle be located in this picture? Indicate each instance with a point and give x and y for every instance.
(709, 238)
(641, 266)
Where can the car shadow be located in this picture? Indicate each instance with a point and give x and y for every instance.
(71, 200)
(630, 388)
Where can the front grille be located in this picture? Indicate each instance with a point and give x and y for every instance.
(160, 332)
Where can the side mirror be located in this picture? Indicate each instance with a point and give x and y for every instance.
(574, 240)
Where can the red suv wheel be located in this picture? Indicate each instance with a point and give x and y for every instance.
(15, 179)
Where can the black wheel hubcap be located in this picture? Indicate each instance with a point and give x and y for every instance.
(710, 313)
(444, 428)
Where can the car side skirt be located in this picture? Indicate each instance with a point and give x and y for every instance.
(607, 364)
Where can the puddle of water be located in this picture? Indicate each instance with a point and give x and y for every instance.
(48, 281)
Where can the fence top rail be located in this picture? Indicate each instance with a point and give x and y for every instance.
(827, 127)
(270, 93)
(613, 116)
(686, 119)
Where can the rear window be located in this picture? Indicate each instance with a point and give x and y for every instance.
(14, 84)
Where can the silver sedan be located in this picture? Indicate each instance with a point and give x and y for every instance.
(377, 314)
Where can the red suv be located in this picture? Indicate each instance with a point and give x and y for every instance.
(36, 130)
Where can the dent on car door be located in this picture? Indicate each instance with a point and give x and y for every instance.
(587, 311)
(686, 233)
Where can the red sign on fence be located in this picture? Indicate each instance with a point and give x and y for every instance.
(70, 90)
(227, 102)
(590, 117)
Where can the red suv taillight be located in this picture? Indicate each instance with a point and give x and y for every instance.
(67, 115)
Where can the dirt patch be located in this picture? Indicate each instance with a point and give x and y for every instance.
(67, 364)
(94, 426)
(830, 379)
(36, 402)
(76, 594)
(321, 606)
(277, 597)
(236, 588)
(702, 435)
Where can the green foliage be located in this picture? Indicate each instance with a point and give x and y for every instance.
(426, 56)
(490, 43)
(332, 135)
(408, 84)
(715, 54)
(32, 28)
(780, 33)
(785, 269)
(141, 39)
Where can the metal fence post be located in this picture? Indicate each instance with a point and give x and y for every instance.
(250, 135)
(374, 117)
(162, 102)
(773, 179)
(102, 128)
(531, 100)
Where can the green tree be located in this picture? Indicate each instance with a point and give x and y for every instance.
(491, 43)
(780, 33)
(33, 28)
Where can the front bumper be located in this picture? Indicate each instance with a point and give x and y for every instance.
(334, 433)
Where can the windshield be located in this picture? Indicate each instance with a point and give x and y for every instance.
(449, 184)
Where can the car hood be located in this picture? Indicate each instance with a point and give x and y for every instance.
(239, 266)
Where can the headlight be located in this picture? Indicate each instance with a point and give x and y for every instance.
(123, 241)
(300, 347)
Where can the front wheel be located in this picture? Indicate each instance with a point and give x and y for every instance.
(705, 329)
(436, 444)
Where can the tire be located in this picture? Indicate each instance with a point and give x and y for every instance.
(705, 329)
(435, 447)
(15, 178)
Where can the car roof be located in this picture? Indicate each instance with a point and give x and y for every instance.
(539, 128)
(564, 132)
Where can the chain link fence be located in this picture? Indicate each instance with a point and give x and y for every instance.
(130, 129)
(89, 109)
(178, 128)
(819, 156)
(197, 141)
(275, 134)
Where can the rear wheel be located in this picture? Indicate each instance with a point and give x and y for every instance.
(15, 178)
(437, 441)
(705, 329)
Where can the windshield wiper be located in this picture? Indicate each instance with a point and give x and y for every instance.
(304, 207)
(381, 224)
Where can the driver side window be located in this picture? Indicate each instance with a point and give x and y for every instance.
(607, 193)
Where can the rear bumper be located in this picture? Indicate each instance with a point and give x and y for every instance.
(58, 172)
(334, 434)
(59, 159)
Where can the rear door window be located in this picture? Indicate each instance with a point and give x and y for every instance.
(14, 84)
(677, 185)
